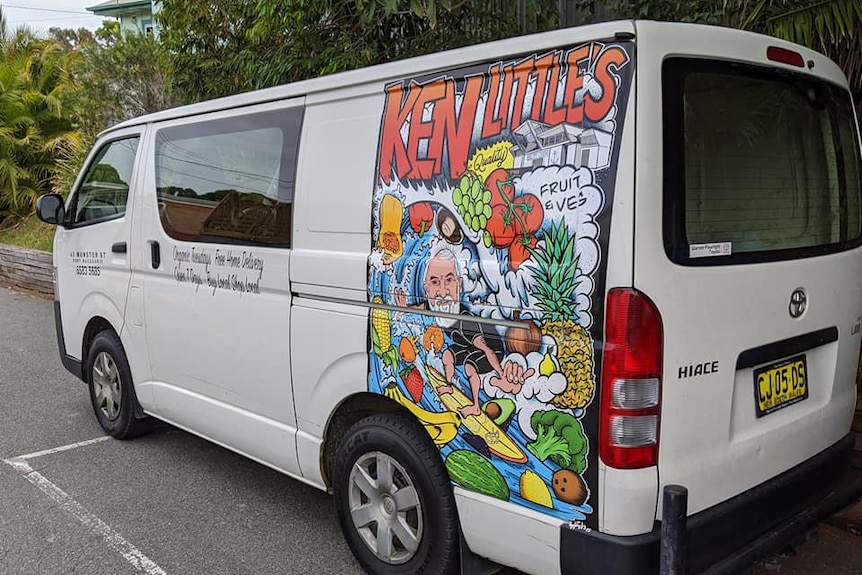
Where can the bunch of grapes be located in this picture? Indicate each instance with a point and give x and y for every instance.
(473, 202)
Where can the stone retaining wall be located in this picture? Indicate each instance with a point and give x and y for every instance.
(26, 269)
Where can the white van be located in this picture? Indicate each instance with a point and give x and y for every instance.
(497, 299)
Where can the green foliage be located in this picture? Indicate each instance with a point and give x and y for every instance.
(35, 128)
(69, 39)
(118, 75)
(833, 27)
(27, 232)
(695, 11)
(221, 47)
(113, 76)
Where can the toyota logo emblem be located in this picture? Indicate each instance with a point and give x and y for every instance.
(798, 302)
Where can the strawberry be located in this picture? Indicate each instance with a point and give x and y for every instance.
(413, 382)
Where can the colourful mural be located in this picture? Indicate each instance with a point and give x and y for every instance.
(486, 259)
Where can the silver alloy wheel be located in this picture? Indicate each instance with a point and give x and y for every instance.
(385, 507)
(107, 385)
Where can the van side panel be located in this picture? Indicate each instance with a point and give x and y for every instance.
(336, 168)
(486, 278)
(328, 330)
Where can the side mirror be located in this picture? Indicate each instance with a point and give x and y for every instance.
(51, 209)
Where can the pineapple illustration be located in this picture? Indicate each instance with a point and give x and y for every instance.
(555, 267)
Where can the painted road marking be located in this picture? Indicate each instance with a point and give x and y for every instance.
(95, 525)
(63, 448)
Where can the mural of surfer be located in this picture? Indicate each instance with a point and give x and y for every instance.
(490, 220)
(475, 346)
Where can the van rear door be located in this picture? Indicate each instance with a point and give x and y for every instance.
(747, 239)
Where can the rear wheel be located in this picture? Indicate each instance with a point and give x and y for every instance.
(111, 391)
(394, 498)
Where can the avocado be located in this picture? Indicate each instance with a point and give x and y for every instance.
(500, 410)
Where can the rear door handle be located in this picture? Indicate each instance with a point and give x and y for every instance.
(155, 254)
(119, 248)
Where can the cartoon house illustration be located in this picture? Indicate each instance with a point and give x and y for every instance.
(538, 144)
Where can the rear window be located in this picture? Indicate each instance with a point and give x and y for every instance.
(759, 165)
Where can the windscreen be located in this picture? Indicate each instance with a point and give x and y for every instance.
(759, 166)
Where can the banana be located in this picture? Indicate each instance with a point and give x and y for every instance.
(447, 418)
(441, 434)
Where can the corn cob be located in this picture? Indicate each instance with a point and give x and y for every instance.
(381, 322)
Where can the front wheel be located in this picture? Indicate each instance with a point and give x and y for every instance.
(394, 498)
(112, 393)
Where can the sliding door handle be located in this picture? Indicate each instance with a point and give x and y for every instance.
(155, 254)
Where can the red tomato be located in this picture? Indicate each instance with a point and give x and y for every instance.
(518, 253)
(529, 214)
(501, 187)
(500, 226)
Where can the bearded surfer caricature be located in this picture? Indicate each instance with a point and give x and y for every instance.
(474, 345)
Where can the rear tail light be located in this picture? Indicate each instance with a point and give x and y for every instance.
(633, 430)
(631, 381)
(785, 56)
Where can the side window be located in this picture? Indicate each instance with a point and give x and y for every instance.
(105, 190)
(229, 180)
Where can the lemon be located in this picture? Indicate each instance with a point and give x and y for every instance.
(533, 489)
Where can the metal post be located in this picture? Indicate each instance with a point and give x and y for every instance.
(673, 530)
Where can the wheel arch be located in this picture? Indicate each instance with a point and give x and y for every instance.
(96, 325)
(352, 409)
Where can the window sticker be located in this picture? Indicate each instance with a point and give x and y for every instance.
(710, 250)
(490, 217)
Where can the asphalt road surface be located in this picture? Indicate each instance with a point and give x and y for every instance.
(75, 502)
(166, 503)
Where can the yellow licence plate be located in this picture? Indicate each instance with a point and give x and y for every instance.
(780, 385)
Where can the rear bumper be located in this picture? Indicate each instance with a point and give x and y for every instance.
(729, 537)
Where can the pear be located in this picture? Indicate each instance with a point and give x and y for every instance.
(547, 365)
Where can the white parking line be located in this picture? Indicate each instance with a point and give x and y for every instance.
(63, 448)
(95, 525)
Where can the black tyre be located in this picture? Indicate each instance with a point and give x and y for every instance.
(111, 391)
(394, 498)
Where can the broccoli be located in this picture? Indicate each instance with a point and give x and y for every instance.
(560, 438)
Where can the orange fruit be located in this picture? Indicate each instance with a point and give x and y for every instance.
(407, 349)
(433, 339)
